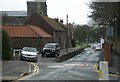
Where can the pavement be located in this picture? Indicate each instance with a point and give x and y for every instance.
(115, 67)
(12, 70)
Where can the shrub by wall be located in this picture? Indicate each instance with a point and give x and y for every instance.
(6, 46)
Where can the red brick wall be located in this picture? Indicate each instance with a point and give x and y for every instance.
(18, 43)
(44, 41)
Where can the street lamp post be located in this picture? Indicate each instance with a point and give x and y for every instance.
(67, 33)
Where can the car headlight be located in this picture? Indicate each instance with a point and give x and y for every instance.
(53, 50)
(23, 54)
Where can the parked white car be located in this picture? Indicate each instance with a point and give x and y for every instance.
(29, 54)
(97, 48)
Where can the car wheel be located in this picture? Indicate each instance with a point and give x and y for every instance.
(42, 55)
(55, 54)
(58, 54)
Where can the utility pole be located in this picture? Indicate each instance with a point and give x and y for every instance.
(67, 33)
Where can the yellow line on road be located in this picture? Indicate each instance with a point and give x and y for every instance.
(32, 72)
(95, 68)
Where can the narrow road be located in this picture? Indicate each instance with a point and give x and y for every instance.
(79, 67)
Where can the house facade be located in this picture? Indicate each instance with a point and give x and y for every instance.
(51, 26)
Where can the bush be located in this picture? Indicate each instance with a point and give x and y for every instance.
(6, 46)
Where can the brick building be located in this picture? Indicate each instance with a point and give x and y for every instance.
(51, 26)
(33, 36)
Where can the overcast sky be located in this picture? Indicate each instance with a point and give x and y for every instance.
(77, 10)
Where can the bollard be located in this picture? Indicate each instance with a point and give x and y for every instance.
(103, 71)
(14, 53)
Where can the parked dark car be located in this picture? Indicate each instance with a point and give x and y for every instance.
(29, 54)
(51, 49)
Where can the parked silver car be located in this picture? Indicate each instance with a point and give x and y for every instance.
(29, 54)
(51, 49)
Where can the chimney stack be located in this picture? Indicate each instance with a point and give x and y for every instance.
(61, 20)
(57, 19)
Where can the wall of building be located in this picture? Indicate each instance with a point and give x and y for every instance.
(37, 20)
(13, 20)
(60, 38)
(18, 43)
(34, 6)
(44, 41)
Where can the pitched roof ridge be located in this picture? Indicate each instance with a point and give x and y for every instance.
(33, 30)
(49, 20)
(63, 25)
(44, 18)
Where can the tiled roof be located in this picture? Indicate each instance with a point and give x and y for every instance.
(42, 20)
(40, 31)
(25, 31)
(52, 22)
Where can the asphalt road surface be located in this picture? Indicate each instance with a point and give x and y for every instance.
(79, 67)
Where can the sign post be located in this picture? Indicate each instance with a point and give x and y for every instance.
(101, 42)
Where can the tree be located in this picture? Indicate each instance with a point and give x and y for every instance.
(78, 33)
(96, 33)
(104, 12)
(85, 32)
(6, 46)
(81, 33)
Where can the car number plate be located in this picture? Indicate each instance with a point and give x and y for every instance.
(47, 53)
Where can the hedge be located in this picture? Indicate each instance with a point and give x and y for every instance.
(6, 46)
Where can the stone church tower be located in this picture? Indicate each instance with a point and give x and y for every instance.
(38, 6)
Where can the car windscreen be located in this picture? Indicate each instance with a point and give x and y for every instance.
(49, 46)
(29, 49)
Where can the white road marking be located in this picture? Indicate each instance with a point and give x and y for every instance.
(70, 65)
